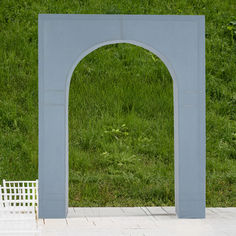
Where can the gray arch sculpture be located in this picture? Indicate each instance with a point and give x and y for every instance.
(177, 40)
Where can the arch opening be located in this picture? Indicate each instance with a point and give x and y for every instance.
(124, 93)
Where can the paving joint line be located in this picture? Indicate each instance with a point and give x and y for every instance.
(165, 210)
(153, 217)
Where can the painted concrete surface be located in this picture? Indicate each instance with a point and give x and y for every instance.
(179, 41)
(139, 221)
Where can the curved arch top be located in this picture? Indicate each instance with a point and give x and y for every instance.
(133, 42)
(178, 41)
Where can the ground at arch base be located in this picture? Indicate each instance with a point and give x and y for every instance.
(139, 221)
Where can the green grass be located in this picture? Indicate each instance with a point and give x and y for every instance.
(121, 107)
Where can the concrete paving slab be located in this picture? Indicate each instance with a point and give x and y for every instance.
(133, 211)
(54, 226)
(97, 211)
(169, 210)
(71, 212)
(80, 222)
(139, 221)
(156, 211)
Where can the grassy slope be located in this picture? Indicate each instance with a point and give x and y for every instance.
(121, 109)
